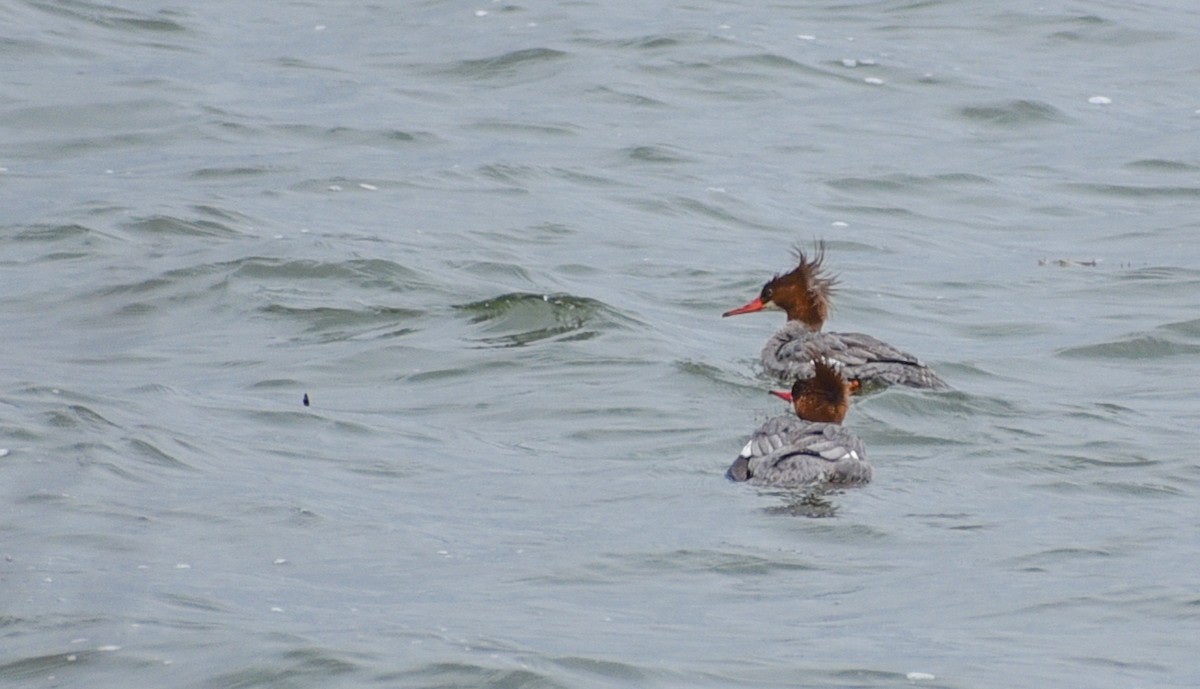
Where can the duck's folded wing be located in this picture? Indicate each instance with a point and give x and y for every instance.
(789, 354)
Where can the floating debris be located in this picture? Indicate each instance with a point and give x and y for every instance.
(306, 399)
(1068, 262)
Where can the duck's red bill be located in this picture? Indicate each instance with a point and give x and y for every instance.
(783, 395)
(756, 305)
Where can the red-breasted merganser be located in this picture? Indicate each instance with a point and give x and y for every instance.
(804, 294)
(810, 447)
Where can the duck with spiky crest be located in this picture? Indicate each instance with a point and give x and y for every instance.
(810, 447)
(803, 293)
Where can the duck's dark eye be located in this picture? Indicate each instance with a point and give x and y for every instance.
(767, 293)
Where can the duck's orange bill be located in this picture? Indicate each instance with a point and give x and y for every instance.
(756, 305)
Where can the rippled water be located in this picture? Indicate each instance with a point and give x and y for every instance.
(491, 243)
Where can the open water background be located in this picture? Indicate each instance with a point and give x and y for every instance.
(492, 242)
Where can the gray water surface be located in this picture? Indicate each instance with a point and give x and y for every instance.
(492, 242)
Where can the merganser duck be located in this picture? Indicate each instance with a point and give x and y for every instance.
(810, 447)
(804, 295)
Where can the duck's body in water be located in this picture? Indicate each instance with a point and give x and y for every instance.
(810, 447)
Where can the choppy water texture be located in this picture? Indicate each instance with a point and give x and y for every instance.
(491, 242)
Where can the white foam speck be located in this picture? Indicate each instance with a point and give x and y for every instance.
(873, 80)
(806, 37)
(917, 676)
(368, 187)
(183, 565)
(1100, 100)
(319, 27)
(3, 451)
(108, 648)
(280, 560)
(867, 61)
(481, 13)
(840, 223)
(71, 658)
(276, 608)
(335, 187)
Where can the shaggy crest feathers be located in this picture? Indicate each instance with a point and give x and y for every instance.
(804, 291)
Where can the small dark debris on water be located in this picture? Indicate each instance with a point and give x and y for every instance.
(306, 399)
(1068, 262)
